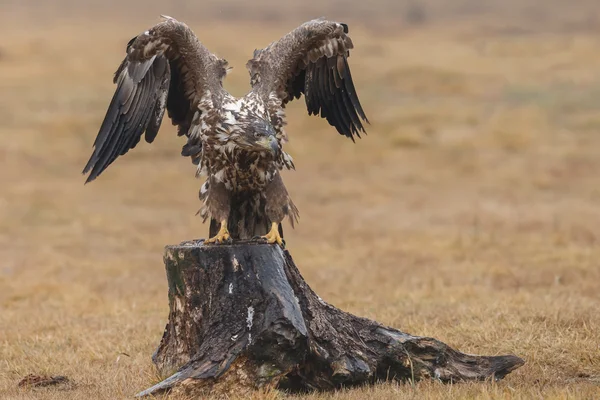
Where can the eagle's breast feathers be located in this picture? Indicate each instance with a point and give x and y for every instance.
(220, 129)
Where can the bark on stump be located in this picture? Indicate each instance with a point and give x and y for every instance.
(242, 317)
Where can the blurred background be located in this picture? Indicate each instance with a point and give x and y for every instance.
(470, 212)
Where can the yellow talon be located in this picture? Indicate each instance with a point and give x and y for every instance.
(222, 236)
(273, 235)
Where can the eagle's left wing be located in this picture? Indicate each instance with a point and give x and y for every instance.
(165, 68)
(312, 60)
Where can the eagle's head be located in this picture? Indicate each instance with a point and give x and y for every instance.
(259, 136)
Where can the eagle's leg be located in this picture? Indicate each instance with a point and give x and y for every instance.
(278, 206)
(222, 236)
(216, 199)
(273, 236)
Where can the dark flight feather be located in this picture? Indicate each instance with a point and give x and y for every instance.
(128, 115)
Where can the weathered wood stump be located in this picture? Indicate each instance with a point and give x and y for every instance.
(242, 317)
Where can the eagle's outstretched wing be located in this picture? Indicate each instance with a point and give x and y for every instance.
(166, 67)
(312, 60)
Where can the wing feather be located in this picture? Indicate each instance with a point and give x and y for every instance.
(312, 60)
(159, 107)
(351, 90)
(166, 69)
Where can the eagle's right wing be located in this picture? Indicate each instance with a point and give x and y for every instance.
(166, 67)
(312, 60)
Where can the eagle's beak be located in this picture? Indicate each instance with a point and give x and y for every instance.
(270, 142)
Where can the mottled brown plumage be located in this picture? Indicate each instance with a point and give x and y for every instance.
(235, 143)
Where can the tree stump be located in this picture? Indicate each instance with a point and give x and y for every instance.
(242, 317)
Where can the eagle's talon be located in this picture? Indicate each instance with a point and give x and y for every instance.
(273, 235)
(222, 237)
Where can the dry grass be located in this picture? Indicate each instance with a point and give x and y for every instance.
(469, 213)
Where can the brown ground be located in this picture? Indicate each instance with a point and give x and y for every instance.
(470, 212)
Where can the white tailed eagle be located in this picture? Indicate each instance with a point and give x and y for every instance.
(235, 142)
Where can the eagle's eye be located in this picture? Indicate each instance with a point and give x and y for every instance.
(256, 135)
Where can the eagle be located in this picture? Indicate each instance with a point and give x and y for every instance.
(235, 143)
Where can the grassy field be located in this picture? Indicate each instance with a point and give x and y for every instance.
(469, 213)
